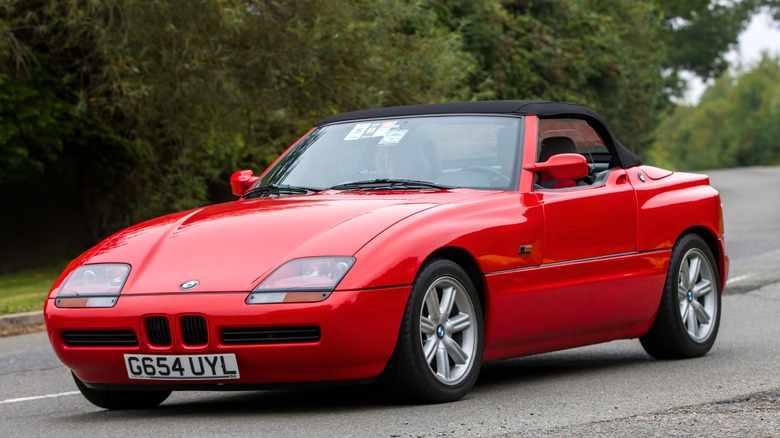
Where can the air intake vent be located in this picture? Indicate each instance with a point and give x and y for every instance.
(115, 338)
(194, 331)
(270, 335)
(158, 330)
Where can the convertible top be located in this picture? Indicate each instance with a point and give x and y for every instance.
(623, 157)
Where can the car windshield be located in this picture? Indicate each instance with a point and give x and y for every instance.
(415, 153)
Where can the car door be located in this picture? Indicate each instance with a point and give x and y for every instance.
(585, 223)
(591, 284)
(590, 265)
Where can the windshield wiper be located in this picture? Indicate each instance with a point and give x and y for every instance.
(389, 184)
(278, 189)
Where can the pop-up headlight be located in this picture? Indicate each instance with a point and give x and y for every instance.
(93, 286)
(302, 280)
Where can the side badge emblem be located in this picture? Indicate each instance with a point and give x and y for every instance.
(187, 285)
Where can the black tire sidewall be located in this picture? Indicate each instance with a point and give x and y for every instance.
(668, 337)
(112, 400)
(428, 387)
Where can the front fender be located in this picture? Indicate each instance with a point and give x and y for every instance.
(491, 229)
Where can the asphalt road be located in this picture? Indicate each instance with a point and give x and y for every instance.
(611, 389)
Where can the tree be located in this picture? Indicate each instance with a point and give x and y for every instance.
(602, 53)
(36, 118)
(735, 123)
(136, 109)
(122, 110)
(698, 33)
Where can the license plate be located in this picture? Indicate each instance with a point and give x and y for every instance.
(182, 367)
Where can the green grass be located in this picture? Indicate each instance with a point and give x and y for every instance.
(26, 291)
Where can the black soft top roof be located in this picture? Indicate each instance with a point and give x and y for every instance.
(624, 157)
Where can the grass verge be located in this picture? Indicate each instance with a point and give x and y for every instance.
(26, 291)
(13, 331)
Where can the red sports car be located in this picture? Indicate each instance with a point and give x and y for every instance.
(407, 245)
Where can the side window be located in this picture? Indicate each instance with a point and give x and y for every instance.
(559, 136)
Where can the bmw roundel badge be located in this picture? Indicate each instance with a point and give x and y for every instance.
(187, 285)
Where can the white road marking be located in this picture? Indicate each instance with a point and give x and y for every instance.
(736, 279)
(37, 397)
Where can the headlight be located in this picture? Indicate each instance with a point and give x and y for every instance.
(302, 280)
(93, 286)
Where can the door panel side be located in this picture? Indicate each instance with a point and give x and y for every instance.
(573, 304)
(589, 222)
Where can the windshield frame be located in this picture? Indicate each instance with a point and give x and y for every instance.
(279, 171)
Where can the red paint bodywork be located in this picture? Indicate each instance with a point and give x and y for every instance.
(595, 272)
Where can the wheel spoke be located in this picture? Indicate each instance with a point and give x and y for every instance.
(427, 326)
(684, 275)
(429, 349)
(702, 288)
(682, 294)
(456, 353)
(447, 300)
(460, 322)
(693, 270)
(442, 363)
(701, 313)
(693, 326)
(432, 302)
(684, 305)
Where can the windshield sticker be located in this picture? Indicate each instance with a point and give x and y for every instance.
(384, 128)
(371, 131)
(357, 131)
(393, 137)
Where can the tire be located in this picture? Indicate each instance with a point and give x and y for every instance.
(689, 314)
(107, 399)
(438, 355)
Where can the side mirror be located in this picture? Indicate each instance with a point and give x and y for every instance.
(562, 166)
(241, 181)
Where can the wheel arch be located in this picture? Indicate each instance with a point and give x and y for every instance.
(715, 247)
(466, 261)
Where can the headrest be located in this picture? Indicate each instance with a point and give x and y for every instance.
(556, 145)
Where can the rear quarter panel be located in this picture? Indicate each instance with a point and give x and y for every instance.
(670, 205)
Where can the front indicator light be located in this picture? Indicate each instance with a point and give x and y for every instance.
(303, 280)
(93, 286)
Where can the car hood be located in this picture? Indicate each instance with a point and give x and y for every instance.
(232, 246)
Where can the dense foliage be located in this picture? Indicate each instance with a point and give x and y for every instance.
(736, 123)
(604, 53)
(119, 110)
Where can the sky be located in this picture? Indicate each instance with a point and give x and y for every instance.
(762, 34)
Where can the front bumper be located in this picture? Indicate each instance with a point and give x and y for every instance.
(358, 331)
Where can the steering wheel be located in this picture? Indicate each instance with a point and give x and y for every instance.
(495, 177)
